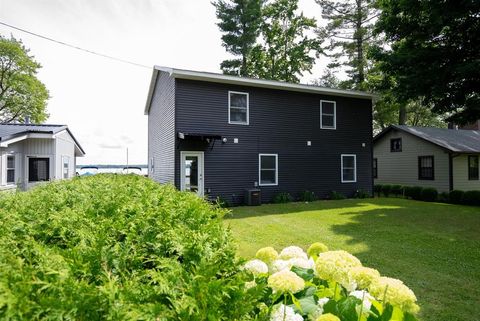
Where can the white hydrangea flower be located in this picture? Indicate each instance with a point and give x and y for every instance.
(280, 265)
(291, 252)
(302, 263)
(256, 267)
(366, 297)
(319, 311)
(251, 284)
(285, 313)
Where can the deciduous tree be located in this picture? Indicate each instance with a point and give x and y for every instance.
(434, 54)
(22, 95)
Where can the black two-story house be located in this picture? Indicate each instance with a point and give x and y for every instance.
(218, 135)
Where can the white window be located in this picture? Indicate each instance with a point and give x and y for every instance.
(238, 108)
(66, 165)
(268, 169)
(328, 114)
(349, 168)
(10, 169)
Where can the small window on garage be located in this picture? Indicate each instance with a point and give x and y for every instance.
(426, 168)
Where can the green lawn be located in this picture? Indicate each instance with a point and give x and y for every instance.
(434, 248)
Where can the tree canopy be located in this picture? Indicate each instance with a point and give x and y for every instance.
(22, 95)
(434, 54)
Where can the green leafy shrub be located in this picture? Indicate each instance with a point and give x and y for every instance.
(471, 198)
(416, 192)
(282, 197)
(116, 247)
(337, 196)
(222, 202)
(456, 197)
(386, 189)
(308, 196)
(429, 194)
(377, 189)
(360, 193)
(397, 190)
(444, 197)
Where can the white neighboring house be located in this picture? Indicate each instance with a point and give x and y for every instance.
(31, 154)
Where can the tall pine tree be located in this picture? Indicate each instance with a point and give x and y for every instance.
(240, 24)
(287, 50)
(347, 37)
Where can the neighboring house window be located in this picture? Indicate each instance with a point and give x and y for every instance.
(268, 169)
(426, 168)
(396, 145)
(238, 108)
(375, 168)
(152, 165)
(66, 163)
(328, 118)
(473, 167)
(38, 169)
(349, 168)
(10, 169)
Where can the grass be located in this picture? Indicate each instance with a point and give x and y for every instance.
(434, 248)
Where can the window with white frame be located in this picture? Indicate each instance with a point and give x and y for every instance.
(238, 106)
(328, 115)
(38, 169)
(10, 169)
(268, 169)
(65, 166)
(152, 165)
(349, 168)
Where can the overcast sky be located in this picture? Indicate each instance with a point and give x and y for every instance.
(102, 100)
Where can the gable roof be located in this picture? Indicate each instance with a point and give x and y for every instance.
(454, 140)
(12, 131)
(253, 82)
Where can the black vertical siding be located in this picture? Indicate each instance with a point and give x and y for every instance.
(281, 122)
(161, 130)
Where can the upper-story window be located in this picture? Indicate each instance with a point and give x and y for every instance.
(473, 167)
(328, 114)
(396, 145)
(238, 108)
(10, 169)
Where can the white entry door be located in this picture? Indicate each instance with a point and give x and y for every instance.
(191, 172)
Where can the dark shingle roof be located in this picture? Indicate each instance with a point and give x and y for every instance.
(8, 131)
(458, 141)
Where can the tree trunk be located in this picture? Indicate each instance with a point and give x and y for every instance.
(359, 40)
(402, 115)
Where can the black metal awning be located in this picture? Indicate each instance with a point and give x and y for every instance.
(201, 136)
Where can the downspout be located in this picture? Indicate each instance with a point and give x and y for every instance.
(450, 171)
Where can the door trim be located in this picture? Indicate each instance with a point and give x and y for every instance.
(201, 170)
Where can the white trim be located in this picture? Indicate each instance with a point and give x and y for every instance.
(50, 171)
(248, 108)
(10, 168)
(234, 80)
(355, 168)
(260, 170)
(334, 114)
(201, 171)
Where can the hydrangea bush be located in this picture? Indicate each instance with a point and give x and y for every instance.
(323, 285)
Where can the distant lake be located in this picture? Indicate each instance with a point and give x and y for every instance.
(114, 169)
